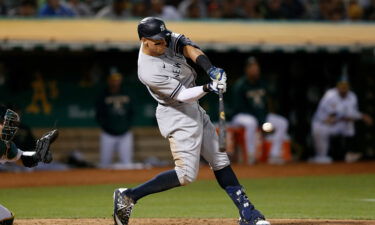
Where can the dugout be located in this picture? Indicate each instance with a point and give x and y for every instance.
(300, 60)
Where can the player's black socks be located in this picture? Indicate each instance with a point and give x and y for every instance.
(226, 177)
(161, 182)
(246, 209)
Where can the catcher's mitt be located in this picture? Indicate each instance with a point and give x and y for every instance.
(42, 146)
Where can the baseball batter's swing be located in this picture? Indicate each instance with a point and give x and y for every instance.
(163, 69)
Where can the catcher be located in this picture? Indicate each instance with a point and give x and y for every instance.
(10, 153)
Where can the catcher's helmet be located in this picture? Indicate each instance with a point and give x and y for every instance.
(153, 28)
(10, 125)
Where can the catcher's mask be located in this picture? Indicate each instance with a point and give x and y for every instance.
(10, 125)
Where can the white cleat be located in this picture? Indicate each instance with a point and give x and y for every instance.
(263, 222)
(257, 221)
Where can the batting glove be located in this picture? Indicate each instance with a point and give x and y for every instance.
(217, 75)
(215, 87)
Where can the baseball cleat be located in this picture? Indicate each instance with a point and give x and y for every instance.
(122, 207)
(263, 222)
(257, 221)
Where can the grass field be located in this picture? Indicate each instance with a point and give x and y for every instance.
(328, 197)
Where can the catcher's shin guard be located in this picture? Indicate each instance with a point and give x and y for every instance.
(248, 214)
(122, 207)
(6, 217)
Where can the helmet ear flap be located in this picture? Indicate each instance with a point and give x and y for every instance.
(10, 125)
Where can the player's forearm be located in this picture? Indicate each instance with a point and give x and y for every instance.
(355, 115)
(192, 52)
(215, 73)
(191, 94)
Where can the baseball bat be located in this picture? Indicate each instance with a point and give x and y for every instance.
(222, 130)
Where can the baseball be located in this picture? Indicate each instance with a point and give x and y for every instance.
(267, 127)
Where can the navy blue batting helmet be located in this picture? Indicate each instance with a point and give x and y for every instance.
(153, 28)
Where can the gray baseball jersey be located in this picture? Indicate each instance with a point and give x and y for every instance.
(186, 125)
(165, 75)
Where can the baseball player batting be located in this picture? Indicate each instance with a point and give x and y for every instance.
(163, 69)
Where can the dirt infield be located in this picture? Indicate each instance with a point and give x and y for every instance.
(95, 176)
(168, 221)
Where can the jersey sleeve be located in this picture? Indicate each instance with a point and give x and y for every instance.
(164, 85)
(179, 41)
(353, 111)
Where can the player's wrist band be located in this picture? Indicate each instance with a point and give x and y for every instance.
(206, 88)
(204, 62)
